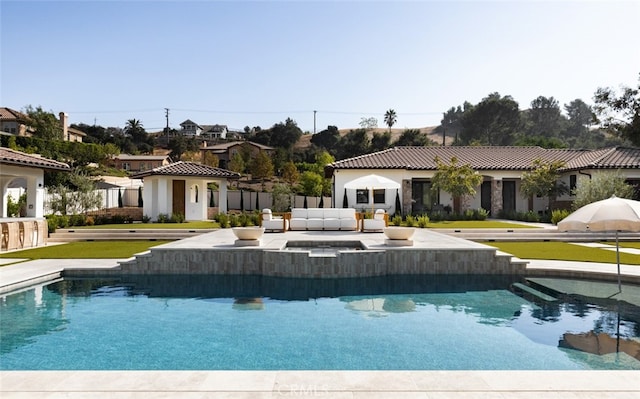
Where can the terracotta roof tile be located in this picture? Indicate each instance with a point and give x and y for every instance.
(13, 157)
(491, 158)
(186, 169)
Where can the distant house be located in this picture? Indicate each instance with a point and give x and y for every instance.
(17, 124)
(413, 169)
(139, 163)
(191, 129)
(226, 151)
(14, 123)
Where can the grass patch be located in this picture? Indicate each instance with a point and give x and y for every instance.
(562, 251)
(205, 224)
(477, 224)
(87, 250)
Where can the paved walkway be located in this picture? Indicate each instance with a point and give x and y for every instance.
(323, 384)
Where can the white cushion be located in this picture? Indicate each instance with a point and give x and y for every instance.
(266, 214)
(373, 225)
(332, 213)
(315, 213)
(275, 224)
(315, 224)
(379, 215)
(348, 224)
(332, 224)
(347, 213)
(298, 213)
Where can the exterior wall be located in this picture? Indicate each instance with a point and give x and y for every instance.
(138, 165)
(35, 188)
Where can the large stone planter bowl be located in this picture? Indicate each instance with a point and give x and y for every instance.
(399, 233)
(248, 233)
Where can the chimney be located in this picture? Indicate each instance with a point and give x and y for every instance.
(65, 127)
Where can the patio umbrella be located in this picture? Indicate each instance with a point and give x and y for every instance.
(345, 201)
(613, 214)
(372, 182)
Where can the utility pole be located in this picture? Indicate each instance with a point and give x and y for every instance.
(166, 114)
(314, 121)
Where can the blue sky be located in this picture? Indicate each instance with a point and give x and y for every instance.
(245, 63)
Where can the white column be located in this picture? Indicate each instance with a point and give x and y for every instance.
(222, 197)
(35, 196)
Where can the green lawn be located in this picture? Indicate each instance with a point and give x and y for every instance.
(476, 224)
(86, 250)
(565, 251)
(206, 224)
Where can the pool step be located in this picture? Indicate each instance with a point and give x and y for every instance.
(534, 292)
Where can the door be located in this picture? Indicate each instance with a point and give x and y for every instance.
(178, 197)
(485, 196)
(508, 196)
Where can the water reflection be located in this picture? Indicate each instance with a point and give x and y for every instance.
(574, 323)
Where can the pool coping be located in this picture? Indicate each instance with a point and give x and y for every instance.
(342, 384)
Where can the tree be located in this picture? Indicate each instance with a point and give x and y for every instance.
(580, 115)
(45, 125)
(135, 130)
(542, 180)
(236, 164)
(380, 141)
(451, 122)
(261, 166)
(290, 173)
(284, 135)
(412, 137)
(311, 183)
(368, 123)
(354, 143)
(390, 118)
(178, 146)
(544, 118)
(78, 197)
(281, 197)
(458, 180)
(601, 186)
(493, 121)
(327, 139)
(210, 159)
(620, 114)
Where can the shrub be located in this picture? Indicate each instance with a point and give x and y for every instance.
(77, 220)
(223, 220)
(410, 221)
(423, 221)
(234, 220)
(163, 218)
(396, 220)
(558, 214)
(146, 219)
(177, 218)
(89, 221)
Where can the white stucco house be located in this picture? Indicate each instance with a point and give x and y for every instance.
(181, 187)
(501, 168)
(15, 164)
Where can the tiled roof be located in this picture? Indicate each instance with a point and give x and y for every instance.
(128, 157)
(13, 157)
(10, 114)
(225, 146)
(491, 158)
(187, 169)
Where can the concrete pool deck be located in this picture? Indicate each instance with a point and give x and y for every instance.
(329, 384)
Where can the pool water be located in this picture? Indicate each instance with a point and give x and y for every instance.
(264, 323)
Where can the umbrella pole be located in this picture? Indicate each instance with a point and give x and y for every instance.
(618, 259)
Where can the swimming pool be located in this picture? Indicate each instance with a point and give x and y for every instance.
(266, 323)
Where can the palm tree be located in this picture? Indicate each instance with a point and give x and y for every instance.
(390, 118)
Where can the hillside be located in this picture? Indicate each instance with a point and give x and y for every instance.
(305, 140)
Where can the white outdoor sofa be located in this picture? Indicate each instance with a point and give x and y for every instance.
(323, 219)
(273, 223)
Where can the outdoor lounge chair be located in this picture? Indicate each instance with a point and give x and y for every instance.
(273, 223)
(377, 224)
